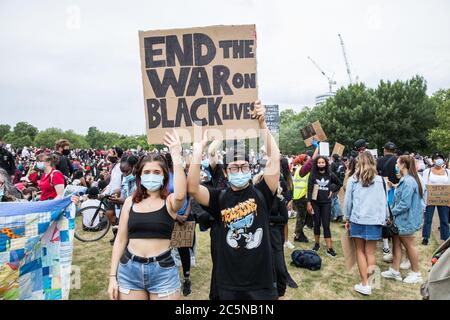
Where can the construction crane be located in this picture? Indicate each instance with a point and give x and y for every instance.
(331, 82)
(345, 58)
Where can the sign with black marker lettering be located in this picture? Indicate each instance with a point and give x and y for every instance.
(183, 234)
(204, 76)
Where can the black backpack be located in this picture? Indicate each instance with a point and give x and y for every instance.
(308, 259)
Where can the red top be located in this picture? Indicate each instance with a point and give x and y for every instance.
(48, 190)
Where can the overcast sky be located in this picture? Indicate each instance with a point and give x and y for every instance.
(75, 64)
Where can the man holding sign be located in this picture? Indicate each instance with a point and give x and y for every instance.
(244, 256)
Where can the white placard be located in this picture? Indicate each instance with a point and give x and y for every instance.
(324, 149)
(374, 152)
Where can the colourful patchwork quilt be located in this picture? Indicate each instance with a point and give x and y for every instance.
(36, 242)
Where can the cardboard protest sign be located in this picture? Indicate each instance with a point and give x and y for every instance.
(313, 131)
(348, 248)
(183, 234)
(438, 195)
(338, 149)
(273, 118)
(199, 76)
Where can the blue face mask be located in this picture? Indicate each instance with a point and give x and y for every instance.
(239, 179)
(439, 163)
(128, 179)
(397, 169)
(205, 163)
(152, 182)
(40, 166)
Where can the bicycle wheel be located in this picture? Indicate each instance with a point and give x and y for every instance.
(94, 226)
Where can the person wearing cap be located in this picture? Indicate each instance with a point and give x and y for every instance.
(244, 262)
(360, 145)
(300, 192)
(436, 175)
(386, 167)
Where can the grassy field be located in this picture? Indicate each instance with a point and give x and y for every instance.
(331, 282)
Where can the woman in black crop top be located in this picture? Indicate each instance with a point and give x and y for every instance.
(142, 267)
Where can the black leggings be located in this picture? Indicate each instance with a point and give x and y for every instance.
(185, 257)
(322, 215)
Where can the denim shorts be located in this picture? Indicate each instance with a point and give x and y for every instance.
(366, 232)
(159, 277)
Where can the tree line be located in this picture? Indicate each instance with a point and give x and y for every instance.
(399, 111)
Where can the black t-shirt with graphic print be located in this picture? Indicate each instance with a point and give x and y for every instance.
(244, 253)
(325, 182)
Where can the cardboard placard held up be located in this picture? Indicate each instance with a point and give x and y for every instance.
(183, 234)
(438, 195)
(338, 149)
(204, 76)
(314, 130)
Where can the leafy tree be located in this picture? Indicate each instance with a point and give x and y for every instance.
(4, 130)
(400, 112)
(440, 135)
(22, 129)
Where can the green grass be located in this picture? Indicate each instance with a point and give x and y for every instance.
(331, 282)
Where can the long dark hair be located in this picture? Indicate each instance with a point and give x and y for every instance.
(141, 192)
(315, 168)
(410, 164)
(286, 173)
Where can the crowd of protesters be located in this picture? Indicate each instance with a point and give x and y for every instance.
(245, 200)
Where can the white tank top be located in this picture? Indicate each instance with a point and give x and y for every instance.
(438, 179)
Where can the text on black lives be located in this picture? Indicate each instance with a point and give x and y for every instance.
(192, 56)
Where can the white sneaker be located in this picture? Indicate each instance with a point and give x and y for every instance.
(365, 290)
(392, 274)
(413, 278)
(289, 245)
(405, 265)
(387, 257)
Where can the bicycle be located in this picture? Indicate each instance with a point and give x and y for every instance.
(95, 228)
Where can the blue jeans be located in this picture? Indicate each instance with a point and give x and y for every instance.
(443, 218)
(335, 207)
(159, 277)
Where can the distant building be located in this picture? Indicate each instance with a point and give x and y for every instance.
(323, 97)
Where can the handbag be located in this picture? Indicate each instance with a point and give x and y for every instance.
(390, 229)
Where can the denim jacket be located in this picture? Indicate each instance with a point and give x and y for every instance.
(407, 210)
(366, 205)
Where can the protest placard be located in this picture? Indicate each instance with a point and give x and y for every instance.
(273, 118)
(204, 76)
(324, 149)
(313, 131)
(338, 149)
(183, 234)
(438, 195)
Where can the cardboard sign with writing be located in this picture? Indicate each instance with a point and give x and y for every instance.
(199, 76)
(183, 234)
(338, 149)
(313, 131)
(438, 195)
(273, 118)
